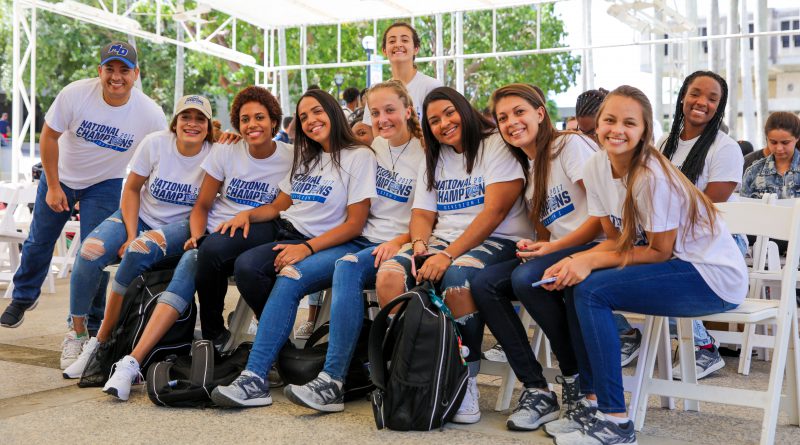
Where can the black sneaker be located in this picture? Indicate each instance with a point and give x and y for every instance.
(570, 391)
(629, 346)
(322, 394)
(599, 430)
(536, 407)
(707, 361)
(15, 313)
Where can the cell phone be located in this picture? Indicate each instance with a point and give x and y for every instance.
(419, 260)
(544, 281)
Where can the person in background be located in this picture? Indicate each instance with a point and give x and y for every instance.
(747, 148)
(361, 130)
(350, 96)
(286, 133)
(586, 110)
(779, 172)
(4, 129)
(571, 124)
(757, 155)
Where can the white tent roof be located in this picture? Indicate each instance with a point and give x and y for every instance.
(293, 13)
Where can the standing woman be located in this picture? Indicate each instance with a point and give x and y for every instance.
(668, 253)
(400, 155)
(557, 205)
(330, 187)
(467, 212)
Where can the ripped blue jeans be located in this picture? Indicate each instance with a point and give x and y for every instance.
(493, 250)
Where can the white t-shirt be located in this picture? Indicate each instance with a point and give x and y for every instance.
(565, 207)
(247, 182)
(97, 140)
(418, 88)
(320, 196)
(662, 208)
(173, 180)
(396, 179)
(458, 196)
(724, 161)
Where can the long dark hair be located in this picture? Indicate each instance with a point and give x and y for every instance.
(693, 165)
(306, 150)
(474, 129)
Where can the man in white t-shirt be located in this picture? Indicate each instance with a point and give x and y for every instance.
(89, 136)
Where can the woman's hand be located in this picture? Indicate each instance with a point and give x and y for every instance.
(419, 248)
(535, 249)
(434, 268)
(190, 243)
(240, 221)
(570, 271)
(385, 251)
(227, 138)
(124, 247)
(290, 254)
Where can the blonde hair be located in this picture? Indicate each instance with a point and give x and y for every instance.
(400, 90)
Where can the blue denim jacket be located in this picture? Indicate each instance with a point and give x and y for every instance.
(762, 177)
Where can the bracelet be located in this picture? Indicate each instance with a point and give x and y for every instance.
(447, 254)
(305, 243)
(419, 240)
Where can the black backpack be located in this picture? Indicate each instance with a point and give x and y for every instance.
(299, 366)
(137, 307)
(427, 378)
(187, 381)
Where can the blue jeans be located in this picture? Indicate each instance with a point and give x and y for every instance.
(673, 288)
(180, 291)
(256, 279)
(148, 249)
(459, 276)
(353, 273)
(98, 250)
(98, 201)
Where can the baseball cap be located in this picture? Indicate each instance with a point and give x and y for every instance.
(196, 102)
(121, 51)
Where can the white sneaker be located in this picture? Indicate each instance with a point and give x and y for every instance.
(495, 354)
(71, 348)
(304, 330)
(469, 411)
(124, 373)
(75, 370)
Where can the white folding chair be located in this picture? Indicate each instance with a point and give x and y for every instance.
(777, 222)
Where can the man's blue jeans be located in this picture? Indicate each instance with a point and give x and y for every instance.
(673, 288)
(98, 202)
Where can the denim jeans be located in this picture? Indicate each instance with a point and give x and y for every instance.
(98, 250)
(459, 276)
(352, 274)
(494, 288)
(275, 296)
(673, 288)
(180, 290)
(98, 201)
(215, 261)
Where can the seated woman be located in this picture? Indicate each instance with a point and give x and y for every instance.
(159, 194)
(668, 253)
(779, 172)
(468, 214)
(557, 204)
(329, 188)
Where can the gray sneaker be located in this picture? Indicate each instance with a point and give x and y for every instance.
(707, 361)
(536, 407)
(322, 394)
(247, 390)
(570, 391)
(629, 346)
(599, 430)
(571, 420)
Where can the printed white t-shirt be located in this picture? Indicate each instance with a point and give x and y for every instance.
(663, 208)
(724, 161)
(396, 179)
(565, 205)
(458, 197)
(247, 182)
(173, 180)
(97, 140)
(418, 88)
(320, 196)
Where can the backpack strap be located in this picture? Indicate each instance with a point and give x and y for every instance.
(202, 372)
(376, 336)
(317, 335)
(158, 379)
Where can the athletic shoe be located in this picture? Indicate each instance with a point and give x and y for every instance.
(570, 391)
(247, 390)
(221, 340)
(274, 378)
(71, 348)
(15, 313)
(469, 411)
(495, 354)
(630, 345)
(707, 361)
(536, 407)
(599, 430)
(75, 370)
(124, 373)
(304, 330)
(571, 420)
(322, 394)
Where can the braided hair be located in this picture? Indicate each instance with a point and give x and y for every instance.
(589, 102)
(696, 159)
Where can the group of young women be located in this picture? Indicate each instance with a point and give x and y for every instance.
(492, 207)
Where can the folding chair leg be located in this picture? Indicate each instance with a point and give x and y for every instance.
(647, 362)
(746, 352)
(791, 405)
(688, 365)
(640, 367)
(506, 390)
(771, 410)
(664, 352)
(239, 324)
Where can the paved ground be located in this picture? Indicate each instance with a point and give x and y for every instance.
(38, 406)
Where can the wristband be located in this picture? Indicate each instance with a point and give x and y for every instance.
(305, 243)
(447, 254)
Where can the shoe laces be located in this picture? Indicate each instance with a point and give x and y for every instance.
(72, 346)
(134, 376)
(570, 393)
(319, 384)
(580, 411)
